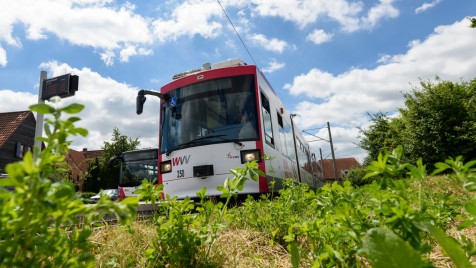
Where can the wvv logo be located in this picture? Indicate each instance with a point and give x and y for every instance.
(177, 161)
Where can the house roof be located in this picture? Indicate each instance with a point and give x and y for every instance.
(9, 123)
(342, 165)
(77, 160)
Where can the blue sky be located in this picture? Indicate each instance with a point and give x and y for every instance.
(330, 61)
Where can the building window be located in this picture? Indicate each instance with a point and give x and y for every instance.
(21, 150)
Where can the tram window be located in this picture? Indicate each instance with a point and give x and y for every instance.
(280, 120)
(268, 126)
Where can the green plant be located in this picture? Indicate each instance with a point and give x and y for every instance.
(43, 223)
(180, 234)
(356, 176)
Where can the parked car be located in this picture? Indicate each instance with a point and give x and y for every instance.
(111, 193)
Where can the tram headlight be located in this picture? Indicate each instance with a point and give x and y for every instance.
(250, 155)
(165, 167)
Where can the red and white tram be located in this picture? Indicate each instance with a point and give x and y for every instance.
(214, 119)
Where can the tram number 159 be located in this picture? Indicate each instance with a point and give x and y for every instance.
(180, 173)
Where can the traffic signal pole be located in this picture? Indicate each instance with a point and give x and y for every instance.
(39, 116)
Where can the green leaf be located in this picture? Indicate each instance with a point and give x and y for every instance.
(440, 167)
(202, 192)
(63, 192)
(73, 108)
(8, 182)
(384, 248)
(81, 131)
(74, 119)
(42, 108)
(451, 247)
(465, 224)
(295, 258)
(471, 209)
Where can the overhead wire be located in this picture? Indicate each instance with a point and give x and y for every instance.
(233, 26)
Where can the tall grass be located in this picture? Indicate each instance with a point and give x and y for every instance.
(327, 227)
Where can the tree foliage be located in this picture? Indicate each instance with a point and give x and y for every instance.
(119, 144)
(382, 135)
(438, 121)
(100, 174)
(473, 22)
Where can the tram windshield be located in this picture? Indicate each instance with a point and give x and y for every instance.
(137, 166)
(215, 111)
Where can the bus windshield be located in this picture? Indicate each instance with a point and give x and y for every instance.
(215, 111)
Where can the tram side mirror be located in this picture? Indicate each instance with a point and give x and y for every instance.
(111, 161)
(140, 100)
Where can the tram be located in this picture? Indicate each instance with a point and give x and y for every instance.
(217, 117)
(136, 166)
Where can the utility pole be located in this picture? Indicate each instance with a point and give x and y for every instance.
(322, 164)
(295, 147)
(332, 151)
(39, 116)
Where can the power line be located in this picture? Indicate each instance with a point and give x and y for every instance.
(315, 128)
(320, 139)
(237, 33)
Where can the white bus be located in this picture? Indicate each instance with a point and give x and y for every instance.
(214, 119)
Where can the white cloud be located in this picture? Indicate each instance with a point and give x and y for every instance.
(347, 13)
(344, 141)
(188, 19)
(273, 44)
(108, 57)
(344, 99)
(131, 50)
(383, 10)
(319, 36)
(116, 31)
(73, 21)
(273, 66)
(427, 6)
(16, 101)
(108, 104)
(3, 57)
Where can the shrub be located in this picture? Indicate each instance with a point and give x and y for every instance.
(356, 176)
(39, 220)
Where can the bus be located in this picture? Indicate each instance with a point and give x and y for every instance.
(216, 118)
(136, 166)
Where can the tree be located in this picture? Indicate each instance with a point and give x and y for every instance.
(438, 121)
(473, 22)
(119, 144)
(100, 174)
(382, 135)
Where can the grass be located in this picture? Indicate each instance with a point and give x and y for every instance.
(243, 245)
(116, 246)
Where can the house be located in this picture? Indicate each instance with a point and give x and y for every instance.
(17, 136)
(78, 162)
(343, 165)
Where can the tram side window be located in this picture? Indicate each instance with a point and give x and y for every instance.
(302, 155)
(281, 144)
(268, 127)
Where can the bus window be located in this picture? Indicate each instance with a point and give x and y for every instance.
(268, 126)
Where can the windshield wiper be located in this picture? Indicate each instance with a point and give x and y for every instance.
(201, 139)
(216, 136)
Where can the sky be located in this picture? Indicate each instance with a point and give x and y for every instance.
(337, 61)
